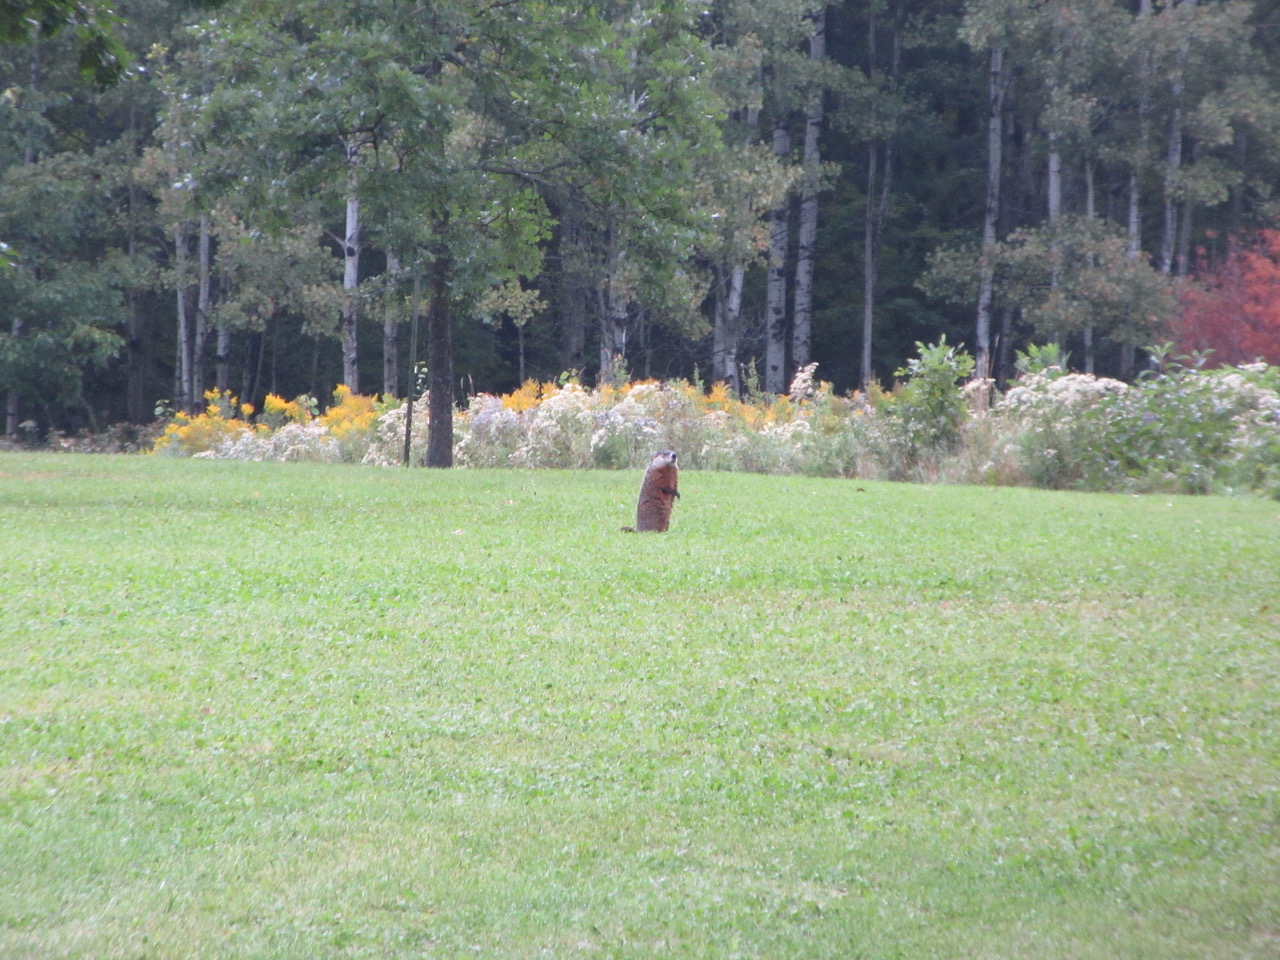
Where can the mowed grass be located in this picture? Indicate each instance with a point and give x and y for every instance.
(296, 711)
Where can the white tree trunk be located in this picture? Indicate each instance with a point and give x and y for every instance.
(1090, 211)
(1172, 169)
(1134, 245)
(995, 159)
(802, 308)
(12, 401)
(1173, 164)
(1055, 179)
(182, 399)
(1140, 154)
(1054, 189)
(870, 266)
(615, 309)
(727, 333)
(351, 306)
(879, 184)
(1182, 258)
(222, 358)
(613, 333)
(11, 408)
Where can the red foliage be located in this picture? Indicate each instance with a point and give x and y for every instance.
(1235, 309)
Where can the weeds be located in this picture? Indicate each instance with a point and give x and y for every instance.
(1181, 429)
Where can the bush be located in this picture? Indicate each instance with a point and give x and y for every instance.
(1185, 430)
(285, 430)
(1180, 430)
(386, 445)
(1052, 424)
(224, 419)
(920, 421)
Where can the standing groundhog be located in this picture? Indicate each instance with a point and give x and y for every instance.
(657, 494)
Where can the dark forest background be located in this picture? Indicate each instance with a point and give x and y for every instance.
(261, 196)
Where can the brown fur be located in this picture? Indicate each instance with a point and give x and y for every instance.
(658, 492)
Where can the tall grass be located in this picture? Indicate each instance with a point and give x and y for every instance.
(286, 710)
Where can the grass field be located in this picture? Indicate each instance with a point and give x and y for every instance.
(296, 711)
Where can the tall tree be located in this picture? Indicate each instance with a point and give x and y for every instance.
(997, 84)
(802, 310)
(63, 297)
(465, 121)
(351, 244)
(775, 317)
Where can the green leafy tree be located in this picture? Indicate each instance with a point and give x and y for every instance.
(63, 296)
(1065, 277)
(449, 125)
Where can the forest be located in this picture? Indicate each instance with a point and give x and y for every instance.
(277, 197)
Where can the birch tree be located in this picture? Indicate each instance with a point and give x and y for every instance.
(351, 244)
(997, 84)
(802, 311)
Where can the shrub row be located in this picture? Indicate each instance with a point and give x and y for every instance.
(1179, 429)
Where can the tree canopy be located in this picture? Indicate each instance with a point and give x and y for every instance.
(269, 191)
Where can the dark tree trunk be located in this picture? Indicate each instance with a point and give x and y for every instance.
(573, 286)
(775, 356)
(440, 366)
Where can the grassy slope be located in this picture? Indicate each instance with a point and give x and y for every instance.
(283, 711)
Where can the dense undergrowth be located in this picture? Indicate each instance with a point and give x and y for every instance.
(1181, 428)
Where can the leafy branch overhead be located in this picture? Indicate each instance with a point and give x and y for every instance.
(93, 25)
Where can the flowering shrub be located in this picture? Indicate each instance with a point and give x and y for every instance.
(488, 433)
(276, 411)
(285, 430)
(351, 422)
(350, 413)
(558, 430)
(1182, 429)
(386, 446)
(1050, 424)
(224, 419)
(310, 442)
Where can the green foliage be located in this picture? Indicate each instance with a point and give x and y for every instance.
(1182, 430)
(1186, 432)
(63, 327)
(1178, 430)
(93, 24)
(1041, 359)
(925, 414)
(1078, 273)
(607, 161)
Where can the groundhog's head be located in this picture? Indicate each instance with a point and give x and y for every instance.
(663, 458)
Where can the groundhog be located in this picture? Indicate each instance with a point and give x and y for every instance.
(657, 494)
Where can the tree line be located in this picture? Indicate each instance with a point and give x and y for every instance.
(264, 196)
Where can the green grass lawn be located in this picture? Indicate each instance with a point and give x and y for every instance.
(295, 711)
